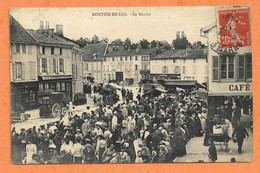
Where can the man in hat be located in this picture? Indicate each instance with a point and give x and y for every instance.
(240, 133)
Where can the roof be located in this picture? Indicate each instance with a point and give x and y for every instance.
(180, 82)
(68, 40)
(182, 53)
(44, 38)
(132, 52)
(91, 49)
(18, 34)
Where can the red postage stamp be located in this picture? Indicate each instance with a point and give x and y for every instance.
(234, 25)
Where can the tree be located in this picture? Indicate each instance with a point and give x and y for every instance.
(95, 40)
(198, 45)
(165, 45)
(154, 43)
(82, 42)
(134, 46)
(104, 40)
(145, 44)
(180, 43)
(127, 43)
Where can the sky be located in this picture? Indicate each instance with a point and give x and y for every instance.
(161, 24)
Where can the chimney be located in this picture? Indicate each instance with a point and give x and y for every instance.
(41, 25)
(139, 48)
(59, 30)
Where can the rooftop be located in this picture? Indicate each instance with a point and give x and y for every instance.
(183, 53)
(92, 50)
(132, 52)
(48, 39)
(18, 34)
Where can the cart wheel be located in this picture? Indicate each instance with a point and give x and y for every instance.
(56, 110)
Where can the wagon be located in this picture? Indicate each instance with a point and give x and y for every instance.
(52, 104)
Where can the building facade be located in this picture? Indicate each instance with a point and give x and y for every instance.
(229, 70)
(23, 67)
(128, 65)
(93, 62)
(190, 64)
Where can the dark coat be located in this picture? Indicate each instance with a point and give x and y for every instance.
(213, 153)
(240, 132)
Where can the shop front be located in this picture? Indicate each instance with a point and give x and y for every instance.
(56, 83)
(24, 94)
(229, 62)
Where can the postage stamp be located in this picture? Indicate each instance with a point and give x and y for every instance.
(234, 25)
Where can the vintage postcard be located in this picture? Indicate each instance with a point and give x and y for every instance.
(131, 85)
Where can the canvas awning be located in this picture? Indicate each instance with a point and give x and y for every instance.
(161, 89)
(115, 86)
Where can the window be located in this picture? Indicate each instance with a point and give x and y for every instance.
(184, 70)
(23, 48)
(87, 66)
(244, 67)
(136, 67)
(43, 49)
(61, 65)
(18, 70)
(44, 65)
(227, 67)
(126, 58)
(53, 86)
(17, 48)
(46, 86)
(194, 60)
(40, 86)
(177, 70)
(136, 58)
(62, 86)
(105, 77)
(113, 58)
(58, 86)
(32, 70)
(184, 60)
(52, 50)
(173, 60)
(54, 66)
(164, 69)
(130, 58)
(121, 58)
(60, 51)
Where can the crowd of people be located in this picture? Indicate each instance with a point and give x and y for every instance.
(133, 130)
(142, 130)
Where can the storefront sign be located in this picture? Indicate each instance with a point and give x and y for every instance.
(56, 77)
(239, 87)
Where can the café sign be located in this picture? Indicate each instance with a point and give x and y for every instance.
(50, 77)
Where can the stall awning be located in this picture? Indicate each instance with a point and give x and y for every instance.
(115, 86)
(180, 82)
(161, 90)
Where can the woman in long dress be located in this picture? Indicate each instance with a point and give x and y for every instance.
(101, 147)
(30, 150)
(180, 141)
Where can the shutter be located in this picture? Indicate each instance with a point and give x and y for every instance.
(23, 71)
(40, 65)
(58, 66)
(48, 66)
(40, 49)
(216, 70)
(14, 71)
(64, 66)
(51, 66)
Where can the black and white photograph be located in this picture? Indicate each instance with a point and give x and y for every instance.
(116, 85)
